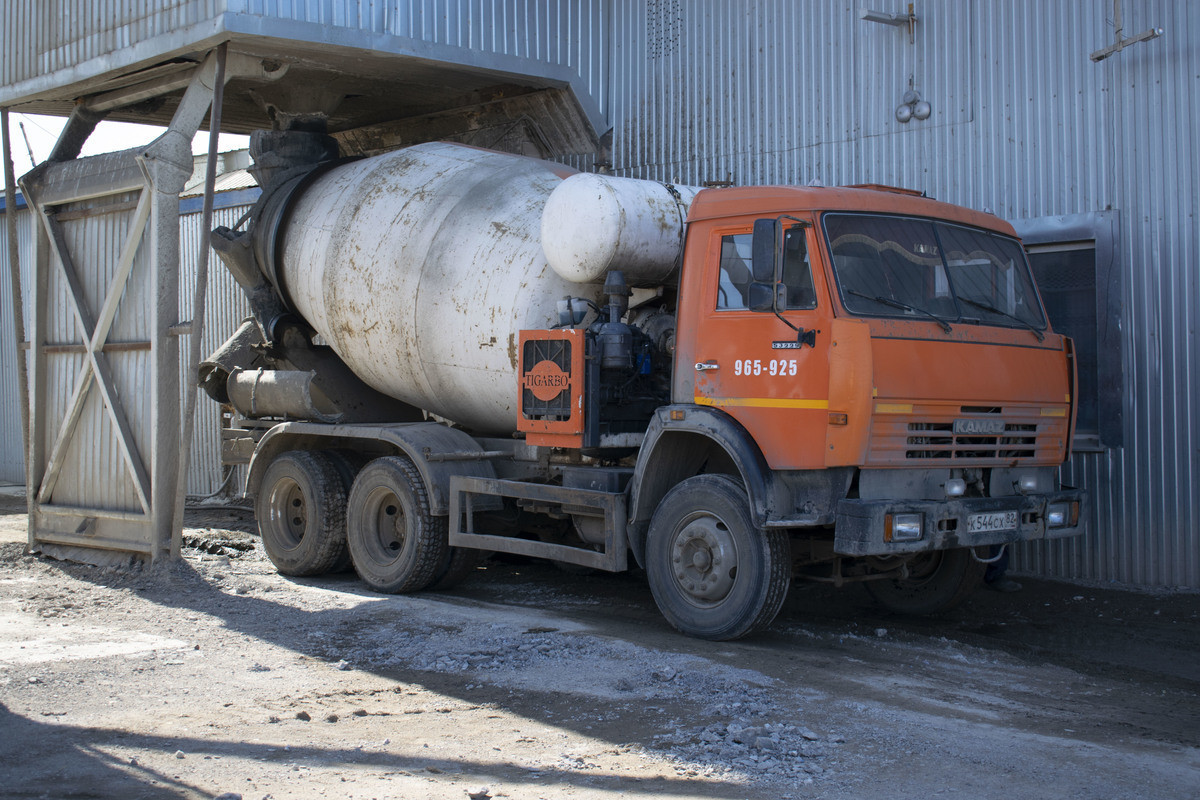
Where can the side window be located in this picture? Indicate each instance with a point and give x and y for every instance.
(734, 288)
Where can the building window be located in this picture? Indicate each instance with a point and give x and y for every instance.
(1073, 261)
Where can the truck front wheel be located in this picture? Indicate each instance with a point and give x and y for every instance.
(937, 581)
(301, 513)
(713, 574)
(396, 545)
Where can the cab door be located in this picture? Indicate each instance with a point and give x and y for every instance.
(769, 372)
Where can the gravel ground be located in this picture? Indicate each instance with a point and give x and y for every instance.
(216, 677)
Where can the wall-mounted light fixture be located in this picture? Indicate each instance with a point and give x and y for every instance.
(898, 20)
(913, 107)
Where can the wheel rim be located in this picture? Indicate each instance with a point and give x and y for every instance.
(704, 559)
(386, 526)
(287, 513)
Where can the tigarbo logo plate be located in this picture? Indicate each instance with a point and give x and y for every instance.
(546, 380)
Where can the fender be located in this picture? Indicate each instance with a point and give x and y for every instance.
(437, 451)
(685, 440)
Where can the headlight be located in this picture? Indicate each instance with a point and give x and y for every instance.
(1058, 515)
(902, 527)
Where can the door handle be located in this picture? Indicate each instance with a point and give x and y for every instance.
(701, 366)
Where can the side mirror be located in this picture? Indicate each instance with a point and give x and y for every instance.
(767, 296)
(764, 251)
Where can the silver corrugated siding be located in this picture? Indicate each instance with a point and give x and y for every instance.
(68, 38)
(95, 472)
(12, 449)
(226, 307)
(1023, 124)
(777, 91)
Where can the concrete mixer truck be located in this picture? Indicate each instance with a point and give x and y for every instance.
(457, 352)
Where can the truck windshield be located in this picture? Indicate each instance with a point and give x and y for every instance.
(905, 267)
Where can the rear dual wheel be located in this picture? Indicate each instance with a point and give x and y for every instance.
(347, 464)
(396, 544)
(301, 513)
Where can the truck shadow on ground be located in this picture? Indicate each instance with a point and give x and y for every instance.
(342, 632)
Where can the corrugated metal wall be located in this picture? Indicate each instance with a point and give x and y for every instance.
(12, 449)
(226, 308)
(776, 91)
(94, 472)
(44, 37)
(1023, 124)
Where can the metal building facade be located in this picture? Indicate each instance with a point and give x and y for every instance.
(1024, 124)
(225, 309)
(12, 449)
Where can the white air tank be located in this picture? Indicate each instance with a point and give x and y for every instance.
(420, 266)
(594, 223)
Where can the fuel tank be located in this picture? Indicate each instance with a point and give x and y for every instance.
(419, 267)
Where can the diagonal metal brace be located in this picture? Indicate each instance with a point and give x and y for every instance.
(94, 334)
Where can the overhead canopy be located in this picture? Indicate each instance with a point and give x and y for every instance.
(353, 68)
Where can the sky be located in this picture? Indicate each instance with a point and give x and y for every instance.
(42, 132)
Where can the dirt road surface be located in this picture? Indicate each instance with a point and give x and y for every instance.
(216, 677)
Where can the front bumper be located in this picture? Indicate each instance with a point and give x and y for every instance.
(860, 526)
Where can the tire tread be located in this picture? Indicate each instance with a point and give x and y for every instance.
(324, 539)
(776, 552)
(430, 533)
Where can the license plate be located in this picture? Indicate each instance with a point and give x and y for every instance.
(988, 523)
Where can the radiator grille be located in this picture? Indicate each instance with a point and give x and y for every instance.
(928, 440)
(986, 435)
(557, 352)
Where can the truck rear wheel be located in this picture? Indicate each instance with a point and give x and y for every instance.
(938, 581)
(395, 543)
(347, 465)
(301, 513)
(713, 574)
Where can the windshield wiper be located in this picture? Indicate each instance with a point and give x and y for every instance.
(992, 309)
(887, 301)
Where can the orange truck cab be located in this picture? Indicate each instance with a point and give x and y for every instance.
(877, 369)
